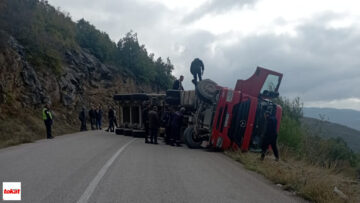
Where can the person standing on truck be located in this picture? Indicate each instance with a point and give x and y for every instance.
(99, 113)
(48, 120)
(154, 124)
(197, 69)
(178, 83)
(82, 118)
(176, 123)
(270, 136)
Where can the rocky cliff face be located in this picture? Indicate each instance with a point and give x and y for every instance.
(19, 82)
(83, 81)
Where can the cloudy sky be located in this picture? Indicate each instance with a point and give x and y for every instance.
(314, 43)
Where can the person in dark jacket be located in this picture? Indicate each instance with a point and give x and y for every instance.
(48, 120)
(166, 122)
(176, 123)
(270, 136)
(92, 116)
(178, 83)
(111, 117)
(145, 119)
(197, 69)
(154, 124)
(82, 118)
(99, 114)
(115, 119)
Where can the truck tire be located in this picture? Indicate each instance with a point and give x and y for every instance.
(127, 132)
(207, 90)
(189, 138)
(138, 133)
(119, 131)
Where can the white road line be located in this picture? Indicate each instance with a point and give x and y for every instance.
(90, 189)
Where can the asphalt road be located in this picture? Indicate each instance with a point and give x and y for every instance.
(97, 166)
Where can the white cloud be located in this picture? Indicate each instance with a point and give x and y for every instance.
(314, 43)
(188, 5)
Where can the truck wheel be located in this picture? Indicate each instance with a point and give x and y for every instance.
(119, 131)
(189, 138)
(206, 90)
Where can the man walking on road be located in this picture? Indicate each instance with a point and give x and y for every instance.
(197, 69)
(82, 118)
(48, 120)
(154, 124)
(270, 136)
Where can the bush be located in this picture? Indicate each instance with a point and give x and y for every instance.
(307, 144)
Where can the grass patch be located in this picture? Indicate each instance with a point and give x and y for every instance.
(308, 181)
(28, 127)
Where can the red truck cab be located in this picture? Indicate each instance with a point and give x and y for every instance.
(239, 118)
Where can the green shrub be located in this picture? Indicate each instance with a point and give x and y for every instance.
(307, 144)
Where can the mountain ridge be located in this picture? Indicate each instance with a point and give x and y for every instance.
(347, 117)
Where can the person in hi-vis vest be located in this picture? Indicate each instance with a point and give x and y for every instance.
(48, 120)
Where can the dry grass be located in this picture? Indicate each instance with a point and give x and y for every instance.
(27, 128)
(308, 181)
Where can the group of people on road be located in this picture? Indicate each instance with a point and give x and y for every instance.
(170, 119)
(95, 118)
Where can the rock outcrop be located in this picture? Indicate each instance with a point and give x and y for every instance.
(83, 80)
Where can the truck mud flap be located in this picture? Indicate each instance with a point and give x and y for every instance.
(239, 120)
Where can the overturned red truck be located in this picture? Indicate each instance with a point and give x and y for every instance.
(234, 118)
(217, 116)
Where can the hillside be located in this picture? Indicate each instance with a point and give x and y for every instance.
(328, 129)
(45, 57)
(347, 117)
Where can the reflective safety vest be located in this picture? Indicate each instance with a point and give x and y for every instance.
(46, 114)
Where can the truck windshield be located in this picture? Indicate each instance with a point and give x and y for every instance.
(270, 84)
